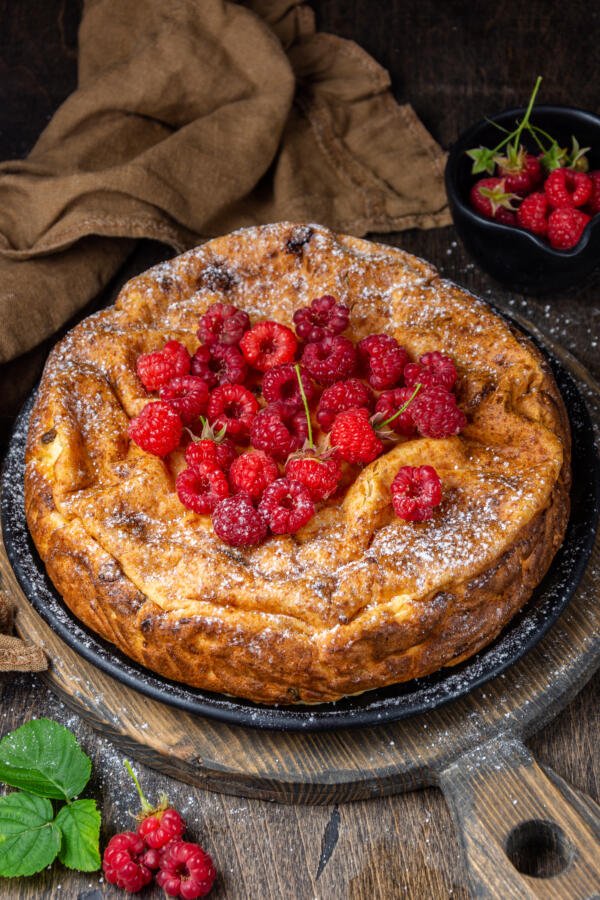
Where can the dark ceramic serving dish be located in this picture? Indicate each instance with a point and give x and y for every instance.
(510, 254)
(374, 707)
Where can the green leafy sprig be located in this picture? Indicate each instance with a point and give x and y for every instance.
(43, 760)
(552, 155)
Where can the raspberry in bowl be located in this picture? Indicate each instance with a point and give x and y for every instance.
(542, 232)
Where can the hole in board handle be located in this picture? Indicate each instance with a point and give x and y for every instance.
(539, 848)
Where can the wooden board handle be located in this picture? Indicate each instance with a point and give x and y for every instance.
(524, 832)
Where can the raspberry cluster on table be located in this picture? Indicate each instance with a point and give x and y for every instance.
(157, 851)
(555, 205)
(255, 388)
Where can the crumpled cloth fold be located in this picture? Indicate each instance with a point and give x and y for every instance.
(17, 655)
(192, 119)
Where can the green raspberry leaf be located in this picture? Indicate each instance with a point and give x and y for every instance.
(80, 826)
(44, 758)
(29, 839)
(483, 160)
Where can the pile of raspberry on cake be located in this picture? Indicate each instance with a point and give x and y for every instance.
(274, 422)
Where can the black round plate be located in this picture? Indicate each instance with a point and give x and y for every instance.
(375, 707)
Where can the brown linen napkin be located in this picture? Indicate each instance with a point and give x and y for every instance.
(16, 655)
(192, 119)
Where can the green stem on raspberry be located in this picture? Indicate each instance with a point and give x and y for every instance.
(536, 128)
(532, 131)
(306, 409)
(146, 806)
(403, 408)
(525, 120)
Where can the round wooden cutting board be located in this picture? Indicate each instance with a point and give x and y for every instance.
(501, 800)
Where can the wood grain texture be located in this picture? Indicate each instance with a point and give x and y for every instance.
(454, 62)
(502, 804)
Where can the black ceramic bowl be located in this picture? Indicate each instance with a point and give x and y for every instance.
(511, 254)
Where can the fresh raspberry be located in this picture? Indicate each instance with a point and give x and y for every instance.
(278, 430)
(436, 414)
(341, 396)
(330, 360)
(121, 862)
(187, 395)
(593, 204)
(252, 472)
(416, 491)
(354, 436)
(209, 451)
(237, 523)
(158, 368)
(382, 360)
(160, 827)
(324, 316)
(565, 227)
(567, 188)
(233, 407)
(320, 476)
(269, 344)
(390, 402)
(222, 324)
(186, 871)
(201, 488)
(286, 505)
(522, 172)
(281, 384)
(432, 368)
(219, 364)
(151, 859)
(491, 198)
(157, 429)
(533, 213)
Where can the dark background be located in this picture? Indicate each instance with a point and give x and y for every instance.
(455, 61)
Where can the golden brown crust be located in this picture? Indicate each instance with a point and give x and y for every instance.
(358, 599)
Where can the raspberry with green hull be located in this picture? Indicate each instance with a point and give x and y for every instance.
(219, 454)
(491, 198)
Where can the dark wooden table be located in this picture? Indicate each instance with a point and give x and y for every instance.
(454, 61)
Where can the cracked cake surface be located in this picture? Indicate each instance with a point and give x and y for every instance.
(356, 599)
